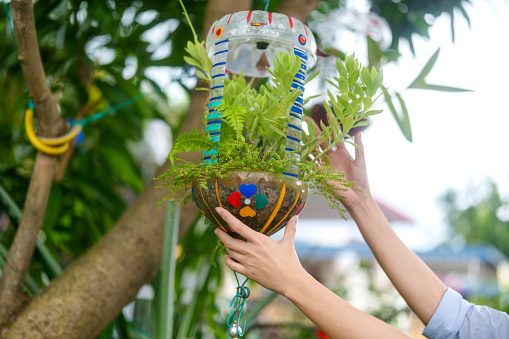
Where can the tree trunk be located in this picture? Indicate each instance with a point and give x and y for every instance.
(93, 289)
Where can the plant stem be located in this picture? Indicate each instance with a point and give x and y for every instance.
(271, 149)
(255, 122)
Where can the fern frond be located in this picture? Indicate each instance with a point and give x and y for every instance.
(191, 141)
(235, 117)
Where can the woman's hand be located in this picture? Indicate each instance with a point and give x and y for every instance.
(272, 264)
(355, 169)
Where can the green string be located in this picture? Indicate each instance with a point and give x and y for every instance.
(239, 300)
(9, 18)
(113, 109)
(266, 4)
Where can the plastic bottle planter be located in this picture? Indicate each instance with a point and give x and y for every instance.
(260, 200)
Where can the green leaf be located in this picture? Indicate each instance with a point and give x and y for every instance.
(347, 124)
(325, 131)
(326, 159)
(312, 76)
(278, 131)
(366, 78)
(403, 121)
(191, 141)
(311, 128)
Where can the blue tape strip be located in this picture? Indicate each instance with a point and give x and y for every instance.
(219, 64)
(290, 174)
(215, 127)
(294, 127)
(296, 109)
(211, 116)
(216, 87)
(292, 138)
(295, 116)
(215, 103)
(224, 51)
(222, 41)
(218, 75)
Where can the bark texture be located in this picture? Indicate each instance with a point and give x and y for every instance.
(92, 291)
(50, 124)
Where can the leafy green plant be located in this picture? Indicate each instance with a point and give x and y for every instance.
(254, 123)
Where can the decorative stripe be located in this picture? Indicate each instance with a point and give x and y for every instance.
(212, 110)
(291, 175)
(295, 116)
(223, 51)
(216, 98)
(215, 103)
(300, 54)
(219, 64)
(291, 208)
(222, 41)
(211, 211)
(211, 151)
(305, 30)
(294, 127)
(296, 109)
(216, 127)
(297, 86)
(213, 122)
(300, 100)
(215, 139)
(281, 196)
(215, 133)
(292, 138)
(270, 18)
(248, 17)
(216, 87)
(300, 76)
(218, 75)
(213, 29)
(291, 22)
(289, 149)
(228, 22)
(211, 116)
(219, 201)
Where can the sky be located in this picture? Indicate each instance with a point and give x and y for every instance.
(460, 139)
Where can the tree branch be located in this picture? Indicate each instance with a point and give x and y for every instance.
(299, 9)
(50, 124)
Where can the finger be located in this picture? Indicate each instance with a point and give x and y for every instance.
(359, 152)
(237, 225)
(229, 242)
(290, 230)
(235, 255)
(234, 265)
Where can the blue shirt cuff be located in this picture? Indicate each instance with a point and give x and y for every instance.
(448, 317)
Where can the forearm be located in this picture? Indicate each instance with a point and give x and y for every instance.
(331, 314)
(414, 280)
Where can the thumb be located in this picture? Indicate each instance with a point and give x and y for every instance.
(290, 229)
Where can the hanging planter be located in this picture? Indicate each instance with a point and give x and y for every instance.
(263, 201)
(257, 163)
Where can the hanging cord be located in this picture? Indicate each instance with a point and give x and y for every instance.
(266, 2)
(238, 302)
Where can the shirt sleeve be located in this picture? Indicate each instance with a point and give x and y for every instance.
(456, 318)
